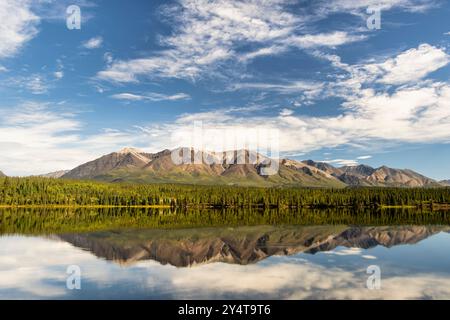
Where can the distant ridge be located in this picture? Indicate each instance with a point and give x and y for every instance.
(134, 165)
(363, 175)
(2, 174)
(54, 175)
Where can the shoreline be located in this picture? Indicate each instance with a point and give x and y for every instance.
(437, 206)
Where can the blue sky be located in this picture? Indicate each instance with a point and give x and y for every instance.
(141, 73)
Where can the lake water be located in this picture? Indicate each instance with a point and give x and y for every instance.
(251, 262)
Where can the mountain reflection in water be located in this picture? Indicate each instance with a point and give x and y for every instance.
(252, 262)
(242, 245)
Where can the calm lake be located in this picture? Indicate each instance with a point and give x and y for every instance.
(322, 261)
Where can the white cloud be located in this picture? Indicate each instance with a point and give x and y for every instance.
(212, 38)
(59, 74)
(18, 26)
(32, 132)
(409, 115)
(93, 43)
(306, 91)
(99, 89)
(332, 39)
(35, 83)
(416, 114)
(128, 96)
(407, 67)
(285, 87)
(208, 34)
(266, 51)
(205, 34)
(108, 57)
(304, 41)
(151, 97)
(286, 112)
(363, 157)
(412, 65)
(351, 6)
(161, 97)
(52, 140)
(342, 162)
(447, 33)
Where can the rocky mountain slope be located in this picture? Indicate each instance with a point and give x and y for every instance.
(363, 175)
(133, 165)
(127, 158)
(136, 166)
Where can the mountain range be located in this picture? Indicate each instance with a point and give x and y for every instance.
(136, 166)
(133, 165)
(242, 245)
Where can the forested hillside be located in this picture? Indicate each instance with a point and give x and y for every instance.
(42, 191)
